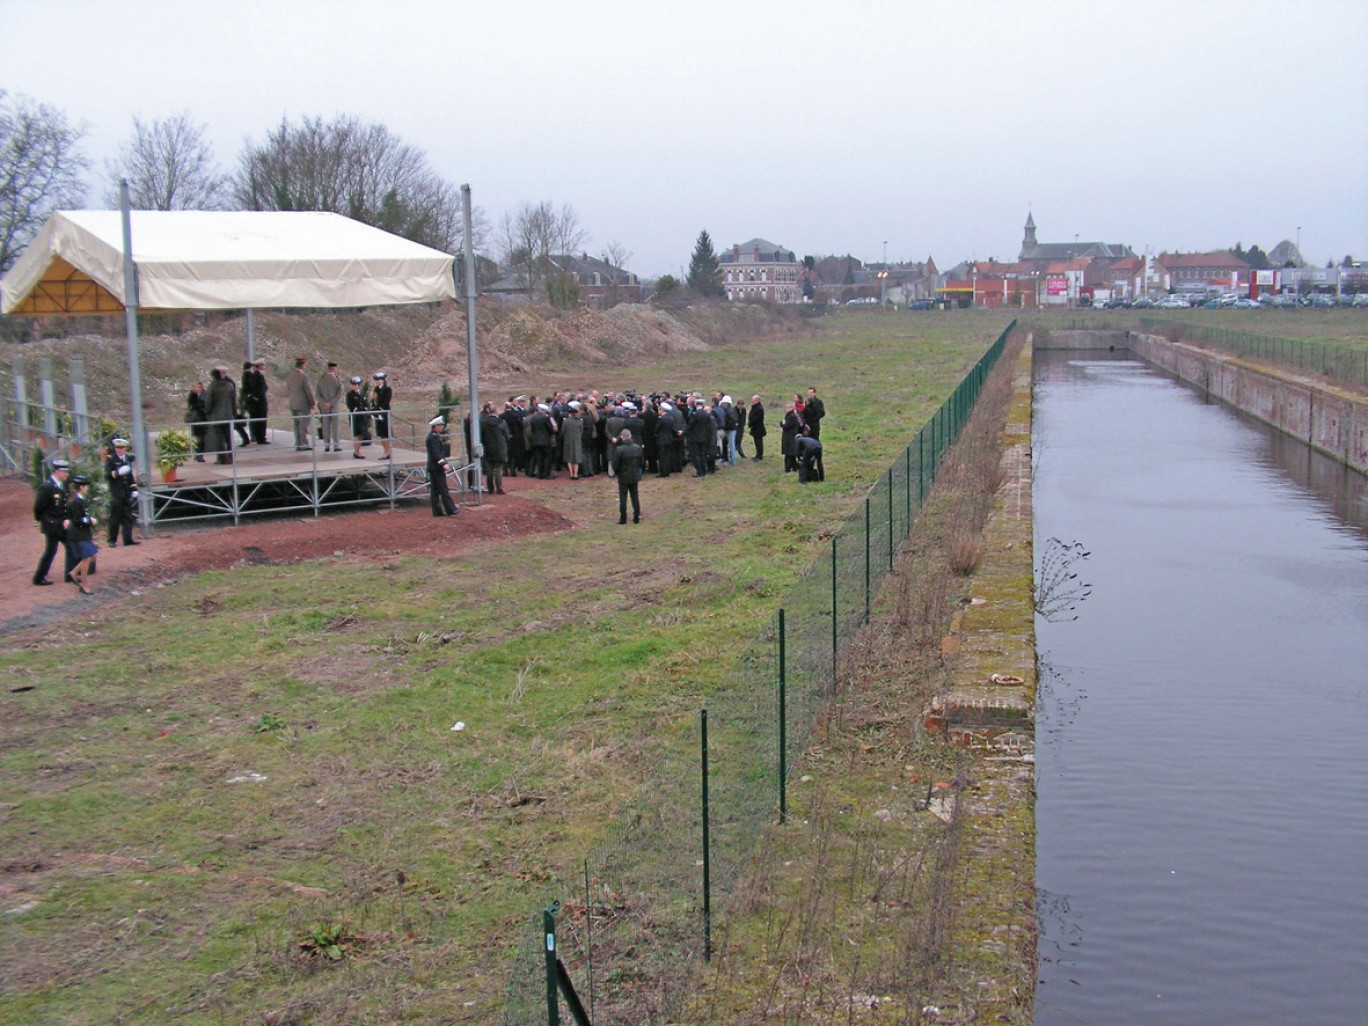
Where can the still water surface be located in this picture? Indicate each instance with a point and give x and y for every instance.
(1202, 814)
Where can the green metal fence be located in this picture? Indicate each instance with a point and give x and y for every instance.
(1342, 364)
(632, 929)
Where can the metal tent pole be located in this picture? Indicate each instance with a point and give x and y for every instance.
(140, 436)
(468, 255)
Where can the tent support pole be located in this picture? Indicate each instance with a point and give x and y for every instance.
(141, 439)
(472, 364)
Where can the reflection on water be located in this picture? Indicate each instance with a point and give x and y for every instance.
(1202, 814)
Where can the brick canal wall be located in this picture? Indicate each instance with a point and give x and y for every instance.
(1329, 419)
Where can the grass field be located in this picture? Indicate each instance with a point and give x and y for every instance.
(240, 798)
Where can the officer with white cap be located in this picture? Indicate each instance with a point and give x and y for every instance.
(437, 452)
(123, 494)
(50, 510)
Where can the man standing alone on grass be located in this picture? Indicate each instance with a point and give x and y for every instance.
(628, 461)
(438, 492)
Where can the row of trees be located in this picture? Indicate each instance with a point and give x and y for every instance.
(344, 166)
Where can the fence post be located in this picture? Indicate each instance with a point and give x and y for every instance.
(707, 862)
(867, 534)
(834, 631)
(783, 725)
(549, 933)
(890, 518)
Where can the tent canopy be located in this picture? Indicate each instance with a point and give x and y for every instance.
(220, 260)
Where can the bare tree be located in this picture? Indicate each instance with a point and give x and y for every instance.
(534, 234)
(169, 166)
(359, 170)
(41, 170)
(616, 255)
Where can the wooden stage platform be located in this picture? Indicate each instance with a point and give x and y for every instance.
(274, 478)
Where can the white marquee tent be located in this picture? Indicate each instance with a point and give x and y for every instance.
(220, 260)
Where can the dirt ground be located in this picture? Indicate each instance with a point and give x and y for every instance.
(174, 552)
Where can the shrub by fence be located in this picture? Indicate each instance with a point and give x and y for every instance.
(633, 930)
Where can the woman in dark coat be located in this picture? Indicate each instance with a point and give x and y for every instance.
(494, 436)
(80, 532)
(196, 412)
(791, 428)
(572, 441)
(221, 407)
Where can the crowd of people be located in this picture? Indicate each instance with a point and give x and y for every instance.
(224, 408)
(583, 434)
(626, 435)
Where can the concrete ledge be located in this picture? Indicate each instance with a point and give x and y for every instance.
(1329, 419)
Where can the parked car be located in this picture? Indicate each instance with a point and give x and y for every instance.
(1245, 303)
(1143, 303)
(861, 301)
(1212, 304)
(1321, 299)
(922, 304)
(1173, 303)
(1361, 299)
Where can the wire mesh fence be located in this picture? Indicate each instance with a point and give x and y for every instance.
(1343, 364)
(632, 930)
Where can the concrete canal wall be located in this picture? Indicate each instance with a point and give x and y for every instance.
(1330, 420)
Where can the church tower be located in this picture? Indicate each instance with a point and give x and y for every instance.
(1028, 241)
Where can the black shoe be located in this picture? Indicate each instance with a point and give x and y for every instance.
(199, 459)
(113, 543)
(68, 579)
(43, 583)
(132, 543)
(357, 456)
(636, 520)
(622, 520)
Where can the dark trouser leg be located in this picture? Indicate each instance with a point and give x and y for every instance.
(45, 560)
(636, 502)
(759, 446)
(622, 501)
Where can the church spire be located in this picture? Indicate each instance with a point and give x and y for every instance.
(1029, 240)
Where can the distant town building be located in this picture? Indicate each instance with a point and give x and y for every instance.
(1219, 270)
(760, 270)
(600, 283)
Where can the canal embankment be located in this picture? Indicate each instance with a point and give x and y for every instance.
(1333, 421)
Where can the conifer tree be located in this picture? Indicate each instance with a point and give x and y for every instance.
(705, 276)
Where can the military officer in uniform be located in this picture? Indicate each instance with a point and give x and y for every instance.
(50, 510)
(123, 494)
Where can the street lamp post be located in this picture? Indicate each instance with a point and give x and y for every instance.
(883, 278)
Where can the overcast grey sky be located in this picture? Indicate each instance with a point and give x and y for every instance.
(823, 127)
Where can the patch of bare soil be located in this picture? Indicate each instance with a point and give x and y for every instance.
(172, 553)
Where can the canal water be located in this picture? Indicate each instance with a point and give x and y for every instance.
(1202, 735)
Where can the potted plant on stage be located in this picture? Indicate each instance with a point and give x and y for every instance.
(174, 449)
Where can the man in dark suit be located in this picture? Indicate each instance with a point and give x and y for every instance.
(438, 492)
(50, 510)
(253, 397)
(813, 412)
(755, 422)
(123, 493)
(628, 461)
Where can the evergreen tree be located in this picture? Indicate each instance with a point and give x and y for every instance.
(705, 276)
